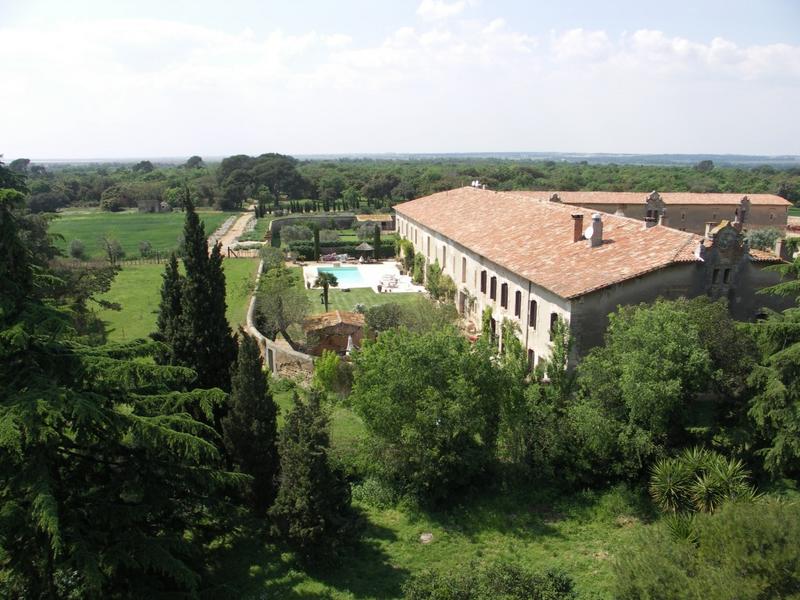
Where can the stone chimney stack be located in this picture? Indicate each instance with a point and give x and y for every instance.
(709, 226)
(595, 232)
(662, 218)
(577, 227)
(649, 222)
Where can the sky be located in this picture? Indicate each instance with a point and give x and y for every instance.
(172, 78)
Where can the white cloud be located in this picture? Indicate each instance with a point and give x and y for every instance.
(440, 9)
(158, 87)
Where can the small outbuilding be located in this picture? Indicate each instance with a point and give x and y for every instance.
(386, 222)
(332, 330)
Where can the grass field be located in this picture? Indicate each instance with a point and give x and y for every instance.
(137, 289)
(794, 211)
(161, 230)
(536, 526)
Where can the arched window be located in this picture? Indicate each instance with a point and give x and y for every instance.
(493, 288)
(532, 314)
(517, 303)
(504, 295)
(483, 281)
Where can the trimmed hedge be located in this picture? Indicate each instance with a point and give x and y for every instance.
(305, 248)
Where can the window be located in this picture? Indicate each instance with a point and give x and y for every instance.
(683, 216)
(504, 295)
(483, 281)
(771, 216)
(463, 269)
(726, 276)
(553, 322)
(715, 276)
(532, 315)
(493, 288)
(517, 303)
(444, 257)
(531, 359)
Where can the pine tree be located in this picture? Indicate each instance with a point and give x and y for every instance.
(107, 484)
(203, 340)
(169, 311)
(312, 509)
(250, 428)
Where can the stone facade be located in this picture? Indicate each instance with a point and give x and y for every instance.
(719, 266)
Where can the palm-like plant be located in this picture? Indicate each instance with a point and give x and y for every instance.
(670, 482)
(325, 281)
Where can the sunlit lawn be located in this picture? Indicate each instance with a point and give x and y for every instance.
(137, 289)
(130, 228)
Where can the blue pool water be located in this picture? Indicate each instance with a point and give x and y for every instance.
(346, 276)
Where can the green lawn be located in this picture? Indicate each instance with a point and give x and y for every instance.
(794, 211)
(537, 526)
(137, 289)
(162, 230)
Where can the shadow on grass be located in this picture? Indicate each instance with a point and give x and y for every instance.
(523, 512)
(247, 565)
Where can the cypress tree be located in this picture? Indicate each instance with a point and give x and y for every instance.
(312, 510)
(316, 243)
(376, 241)
(203, 340)
(250, 428)
(169, 311)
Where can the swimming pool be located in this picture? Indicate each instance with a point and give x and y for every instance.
(348, 277)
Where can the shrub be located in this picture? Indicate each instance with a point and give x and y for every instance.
(745, 550)
(382, 317)
(145, 249)
(294, 233)
(418, 274)
(77, 250)
(501, 579)
(764, 239)
(332, 374)
(328, 235)
(376, 493)
(307, 248)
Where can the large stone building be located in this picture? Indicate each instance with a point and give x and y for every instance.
(533, 261)
(684, 211)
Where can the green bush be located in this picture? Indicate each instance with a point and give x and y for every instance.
(746, 551)
(501, 580)
(307, 248)
(376, 493)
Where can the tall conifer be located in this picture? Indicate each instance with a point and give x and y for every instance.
(312, 509)
(250, 428)
(204, 340)
(169, 312)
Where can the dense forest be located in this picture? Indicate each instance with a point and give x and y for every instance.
(274, 180)
(136, 470)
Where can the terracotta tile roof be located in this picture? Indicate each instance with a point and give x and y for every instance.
(764, 256)
(533, 238)
(669, 198)
(332, 318)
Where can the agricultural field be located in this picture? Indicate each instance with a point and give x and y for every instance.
(539, 527)
(137, 287)
(259, 232)
(162, 230)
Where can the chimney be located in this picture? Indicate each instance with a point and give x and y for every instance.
(709, 226)
(595, 232)
(662, 218)
(737, 224)
(649, 222)
(620, 212)
(781, 251)
(577, 227)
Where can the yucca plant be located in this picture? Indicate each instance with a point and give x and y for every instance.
(670, 482)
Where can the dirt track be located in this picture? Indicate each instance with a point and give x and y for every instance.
(235, 231)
